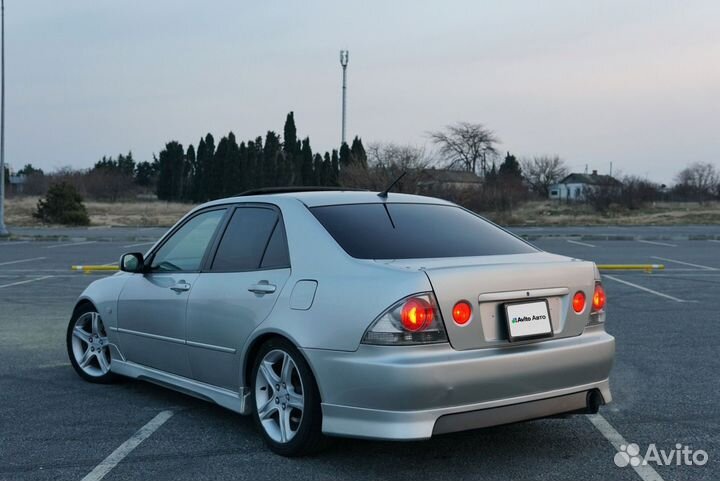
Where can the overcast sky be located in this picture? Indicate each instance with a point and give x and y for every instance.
(636, 83)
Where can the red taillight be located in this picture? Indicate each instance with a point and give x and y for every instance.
(598, 300)
(462, 312)
(416, 314)
(579, 302)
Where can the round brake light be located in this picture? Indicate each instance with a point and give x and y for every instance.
(462, 312)
(579, 302)
(598, 300)
(416, 314)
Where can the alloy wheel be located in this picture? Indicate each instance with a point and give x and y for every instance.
(90, 345)
(279, 396)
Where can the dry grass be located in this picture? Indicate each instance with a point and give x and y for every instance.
(545, 213)
(548, 213)
(19, 210)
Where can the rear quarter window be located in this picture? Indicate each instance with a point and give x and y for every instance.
(415, 231)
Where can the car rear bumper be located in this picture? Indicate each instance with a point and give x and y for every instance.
(413, 392)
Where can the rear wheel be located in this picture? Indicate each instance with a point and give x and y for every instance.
(286, 400)
(87, 346)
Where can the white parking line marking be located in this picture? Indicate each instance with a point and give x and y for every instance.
(579, 243)
(127, 447)
(714, 240)
(656, 243)
(14, 243)
(707, 268)
(138, 245)
(69, 245)
(25, 282)
(607, 276)
(646, 472)
(22, 260)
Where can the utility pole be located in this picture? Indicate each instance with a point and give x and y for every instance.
(3, 229)
(344, 57)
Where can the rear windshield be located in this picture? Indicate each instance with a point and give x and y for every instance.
(414, 231)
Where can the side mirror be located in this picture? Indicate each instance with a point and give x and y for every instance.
(132, 262)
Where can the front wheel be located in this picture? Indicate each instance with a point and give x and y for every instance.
(87, 346)
(286, 400)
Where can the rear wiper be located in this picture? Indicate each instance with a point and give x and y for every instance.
(385, 192)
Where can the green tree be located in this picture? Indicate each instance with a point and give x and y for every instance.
(232, 173)
(306, 169)
(317, 169)
(29, 170)
(358, 156)
(145, 173)
(171, 164)
(259, 172)
(345, 158)
(271, 158)
(62, 205)
(326, 171)
(510, 168)
(335, 164)
(290, 134)
(198, 175)
(190, 165)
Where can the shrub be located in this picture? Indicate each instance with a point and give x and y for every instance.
(62, 205)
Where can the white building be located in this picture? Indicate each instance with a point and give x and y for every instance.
(575, 187)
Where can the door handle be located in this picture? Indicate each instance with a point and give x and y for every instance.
(181, 286)
(262, 287)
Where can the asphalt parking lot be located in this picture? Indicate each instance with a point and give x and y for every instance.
(665, 384)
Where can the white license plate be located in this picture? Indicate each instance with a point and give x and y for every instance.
(528, 320)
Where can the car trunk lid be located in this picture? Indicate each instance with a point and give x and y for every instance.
(490, 282)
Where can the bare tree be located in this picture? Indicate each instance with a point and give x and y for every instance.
(543, 171)
(701, 179)
(386, 161)
(464, 145)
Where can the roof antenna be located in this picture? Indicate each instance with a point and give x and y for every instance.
(385, 192)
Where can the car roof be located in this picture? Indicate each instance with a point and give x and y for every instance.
(334, 197)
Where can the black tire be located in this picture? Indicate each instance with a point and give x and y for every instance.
(106, 378)
(308, 439)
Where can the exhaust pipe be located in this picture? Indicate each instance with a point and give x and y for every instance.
(594, 401)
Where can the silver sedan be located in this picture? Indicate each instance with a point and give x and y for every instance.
(339, 313)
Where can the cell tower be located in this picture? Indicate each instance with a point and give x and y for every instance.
(344, 57)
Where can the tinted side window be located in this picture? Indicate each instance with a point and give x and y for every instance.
(414, 231)
(185, 249)
(276, 254)
(245, 239)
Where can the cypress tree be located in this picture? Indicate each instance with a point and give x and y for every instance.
(290, 134)
(259, 175)
(270, 159)
(317, 169)
(306, 168)
(217, 170)
(243, 161)
(198, 182)
(326, 171)
(170, 173)
(207, 167)
(345, 158)
(191, 165)
(233, 172)
(252, 163)
(357, 153)
(291, 151)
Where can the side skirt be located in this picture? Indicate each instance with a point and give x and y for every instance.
(231, 400)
